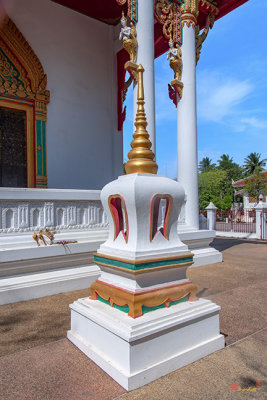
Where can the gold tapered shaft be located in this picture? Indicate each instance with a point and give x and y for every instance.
(141, 157)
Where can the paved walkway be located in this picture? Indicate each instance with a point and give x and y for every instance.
(39, 363)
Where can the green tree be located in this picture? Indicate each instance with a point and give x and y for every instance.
(253, 163)
(256, 185)
(225, 162)
(212, 188)
(206, 165)
(234, 171)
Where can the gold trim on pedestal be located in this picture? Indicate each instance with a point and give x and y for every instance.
(144, 271)
(149, 298)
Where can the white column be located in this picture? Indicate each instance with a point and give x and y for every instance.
(145, 56)
(187, 129)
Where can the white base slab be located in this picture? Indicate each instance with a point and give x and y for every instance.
(199, 243)
(34, 286)
(137, 351)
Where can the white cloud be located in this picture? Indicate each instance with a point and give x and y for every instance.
(254, 123)
(220, 96)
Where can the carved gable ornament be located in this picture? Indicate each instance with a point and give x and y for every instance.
(21, 73)
(23, 87)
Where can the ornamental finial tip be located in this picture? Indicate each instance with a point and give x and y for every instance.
(141, 157)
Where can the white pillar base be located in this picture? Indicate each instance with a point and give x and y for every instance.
(137, 351)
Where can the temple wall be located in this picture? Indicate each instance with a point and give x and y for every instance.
(84, 148)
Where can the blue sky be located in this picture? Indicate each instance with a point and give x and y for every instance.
(231, 92)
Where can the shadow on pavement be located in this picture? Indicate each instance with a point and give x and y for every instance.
(224, 243)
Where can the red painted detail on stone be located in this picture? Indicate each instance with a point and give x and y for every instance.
(172, 94)
(120, 218)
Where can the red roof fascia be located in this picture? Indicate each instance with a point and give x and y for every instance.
(243, 182)
(227, 6)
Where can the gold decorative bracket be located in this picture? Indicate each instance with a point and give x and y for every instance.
(178, 88)
(128, 36)
(168, 13)
(200, 38)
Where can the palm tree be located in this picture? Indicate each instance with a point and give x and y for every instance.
(206, 164)
(253, 163)
(225, 162)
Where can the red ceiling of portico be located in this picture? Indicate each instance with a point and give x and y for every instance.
(109, 11)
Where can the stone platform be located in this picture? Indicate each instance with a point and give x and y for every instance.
(39, 363)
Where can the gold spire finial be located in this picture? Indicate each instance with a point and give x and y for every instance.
(141, 157)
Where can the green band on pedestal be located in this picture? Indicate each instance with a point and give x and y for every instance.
(143, 265)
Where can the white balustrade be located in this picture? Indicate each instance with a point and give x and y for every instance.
(26, 210)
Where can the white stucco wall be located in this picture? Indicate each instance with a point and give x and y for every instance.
(84, 148)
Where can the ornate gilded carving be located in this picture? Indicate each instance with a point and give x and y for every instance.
(190, 13)
(190, 6)
(150, 298)
(22, 78)
(200, 38)
(168, 13)
(132, 9)
(175, 56)
(128, 36)
(209, 6)
(25, 78)
(141, 157)
(191, 9)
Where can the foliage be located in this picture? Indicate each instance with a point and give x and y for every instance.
(256, 184)
(206, 165)
(253, 163)
(234, 171)
(212, 188)
(215, 183)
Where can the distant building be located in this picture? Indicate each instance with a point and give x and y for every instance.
(249, 202)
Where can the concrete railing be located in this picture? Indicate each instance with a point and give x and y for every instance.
(23, 210)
